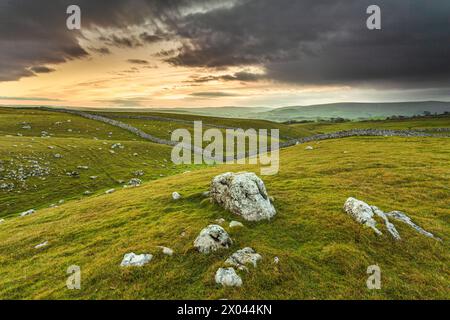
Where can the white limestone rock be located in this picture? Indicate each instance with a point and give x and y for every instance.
(212, 238)
(176, 196)
(240, 258)
(41, 245)
(228, 277)
(135, 260)
(167, 251)
(110, 191)
(235, 224)
(27, 213)
(361, 212)
(243, 194)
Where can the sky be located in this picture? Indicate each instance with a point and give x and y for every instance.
(214, 53)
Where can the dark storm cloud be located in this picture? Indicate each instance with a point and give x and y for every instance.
(238, 76)
(41, 69)
(137, 61)
(295, 41)
(34, 32)
(324, 42)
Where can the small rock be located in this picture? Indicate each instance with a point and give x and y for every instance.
(135, 260)
(220, 220)
(309, 148)
(87, 193)
(39, 246)
(235, 224)
(58, 156)
(361, 212)
(83, 167)
(27, 213)
(2, 220)
(110, 191)
(242, 257)
(166, 251)
(276, 260)
(212, 238)
(176, 196)
(93, 177)
(135, 182)
(228, 277)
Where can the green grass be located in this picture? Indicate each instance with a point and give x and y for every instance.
(323, 252)
(429, 124)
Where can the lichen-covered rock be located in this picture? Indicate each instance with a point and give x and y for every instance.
(361, 212)
(242, 257)
(212, 238)
(135, 260)
(243, 194)
(228, 277)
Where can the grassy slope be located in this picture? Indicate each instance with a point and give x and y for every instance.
(323, 252)
(78, 148)
(425, 123)
(162, 129)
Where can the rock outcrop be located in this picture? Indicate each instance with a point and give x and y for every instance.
(228, 277)
(212, 238)
(240, 258)
(243, 194)
(364, 214)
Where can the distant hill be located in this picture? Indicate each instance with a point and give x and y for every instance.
(348, 110)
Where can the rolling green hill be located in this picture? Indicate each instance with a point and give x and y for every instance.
(322, 252)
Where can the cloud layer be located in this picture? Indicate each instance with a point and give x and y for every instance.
(304, 42)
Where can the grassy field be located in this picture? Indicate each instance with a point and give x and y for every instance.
(112, 167)
(429, 124)
(323, 253)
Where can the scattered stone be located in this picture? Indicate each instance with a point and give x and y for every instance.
(243, 194)
(27, 213)
(117, 145)
(135, 154)
(58, 156)
(134, 260)
(363, 213)
(110, 191)
(242, 257)
(83, 167)
(166, 251)
(135, 182)
(73, 174)
(212, 238)
(276, 260)
(2, 220)
(176, 196)
(309, 148)
(39, 246)
(235, 224)
(228, 277)
(87, 193)
(61, 201)
(139, 173)
(93, 177)
(51, 147)
(205, 194)
(220, 220)
(26, 127)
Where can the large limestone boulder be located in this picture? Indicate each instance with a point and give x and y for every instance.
(212, 238)
(243, 194)
(228, 277)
